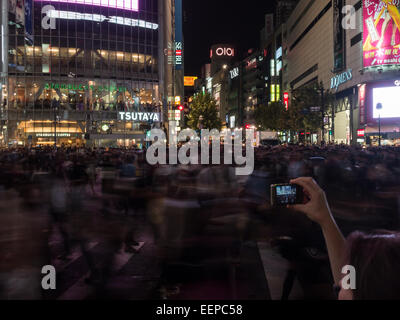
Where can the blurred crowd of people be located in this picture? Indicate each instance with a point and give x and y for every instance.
(109, 195)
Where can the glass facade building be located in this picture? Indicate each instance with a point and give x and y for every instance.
(70, 66)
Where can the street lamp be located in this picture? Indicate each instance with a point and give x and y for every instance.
(379, 107)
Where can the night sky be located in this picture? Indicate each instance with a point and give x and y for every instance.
(208, 22)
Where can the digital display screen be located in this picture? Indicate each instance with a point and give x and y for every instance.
(286, 194)
(285, 190)
(131, 5)
(389, 98)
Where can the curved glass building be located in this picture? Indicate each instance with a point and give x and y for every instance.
(69, 68)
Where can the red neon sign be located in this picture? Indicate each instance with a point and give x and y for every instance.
(286, 100)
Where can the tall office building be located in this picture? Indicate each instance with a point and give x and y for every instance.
(78, 72)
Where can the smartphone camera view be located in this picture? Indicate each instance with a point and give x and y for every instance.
(286, 194)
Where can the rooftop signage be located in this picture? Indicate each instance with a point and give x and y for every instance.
(131, 5)
(222, 51)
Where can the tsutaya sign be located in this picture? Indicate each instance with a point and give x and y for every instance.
(139, 116)
(341, 79)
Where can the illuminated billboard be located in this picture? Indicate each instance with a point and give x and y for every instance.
(381, 32)
(388, 97)
(189, 81)
(222, 51)
(131, 5)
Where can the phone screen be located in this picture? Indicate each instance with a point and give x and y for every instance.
(285, 194)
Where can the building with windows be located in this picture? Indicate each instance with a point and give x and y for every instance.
(352, 47)
(215, 77)
(71, 69)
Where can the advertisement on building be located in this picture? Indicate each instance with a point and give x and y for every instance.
(361, 102)
(20, 12)
(382, 102)
(189, 81)
(222, 51)
(387, 97)
(132, 5)
(381, 32)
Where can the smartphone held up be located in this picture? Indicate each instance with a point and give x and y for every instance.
(283, 195)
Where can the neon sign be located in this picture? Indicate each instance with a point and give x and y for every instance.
(139, 116)
(70, 15)
(131, 5)
(286, 100)
(361, 101)
(225, 52)
(178, 53)
(341, 79)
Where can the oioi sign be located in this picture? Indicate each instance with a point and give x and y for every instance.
(222, 51)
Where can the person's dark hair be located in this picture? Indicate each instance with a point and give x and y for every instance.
(376, 259)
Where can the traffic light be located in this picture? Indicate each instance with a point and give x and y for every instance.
(181, 108)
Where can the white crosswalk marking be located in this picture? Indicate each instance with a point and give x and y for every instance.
(275, 268)
(122, 258)
(80, 290)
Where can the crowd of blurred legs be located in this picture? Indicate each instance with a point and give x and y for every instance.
(201, 217)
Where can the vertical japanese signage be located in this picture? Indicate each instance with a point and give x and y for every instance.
(361, 102)
(381, 41)
(12, 5)
(339, 36)
(178, 35)
(286, 100)
(20, 12)
(28, 20)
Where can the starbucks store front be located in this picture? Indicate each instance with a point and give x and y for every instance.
(43, 133)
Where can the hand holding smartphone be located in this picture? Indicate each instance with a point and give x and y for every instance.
(283, 195)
